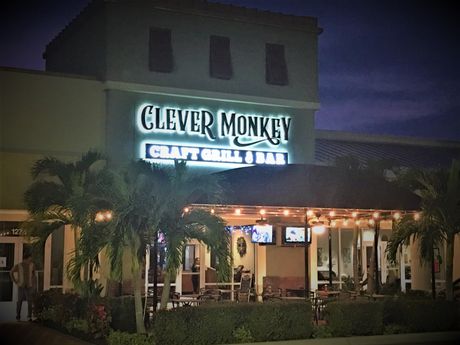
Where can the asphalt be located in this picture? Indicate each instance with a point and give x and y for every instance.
(30, 333)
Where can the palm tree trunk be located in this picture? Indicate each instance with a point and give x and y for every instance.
(355, 259)
(433, 275)
(166, 290)
(450, 266)
(139, 310)
(155, 272)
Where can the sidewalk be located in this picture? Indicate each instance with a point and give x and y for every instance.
(432, 338)
(30, 333)
(27, 333)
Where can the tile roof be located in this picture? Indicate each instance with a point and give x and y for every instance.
(405, 154)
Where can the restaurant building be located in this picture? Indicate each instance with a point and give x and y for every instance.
(231, 90)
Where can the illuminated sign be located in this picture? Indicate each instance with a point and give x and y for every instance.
(200, 135)
(154, 151)
(256, 128)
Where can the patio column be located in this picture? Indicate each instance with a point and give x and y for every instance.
(313, 262)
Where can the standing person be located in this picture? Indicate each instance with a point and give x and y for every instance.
(196, 277)
(23, 275)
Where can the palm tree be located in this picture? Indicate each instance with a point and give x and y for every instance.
(179, 226)
(61, 195)
(351, 168)
(428, 236)
(138, 198)
(439, 191)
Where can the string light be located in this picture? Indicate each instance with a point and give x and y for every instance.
(238, 211)
(319, 229)
(358, 222)
(186, 210)
(331, 213)
(262, 212)
(286, 212)
(371, 222)
(99, 217)
(333, 223)
(376, 215)
(310, 213)
(417, 216)
(354, 214)
(397, 216)
(103, 216)
(345, 222)
(212, 211)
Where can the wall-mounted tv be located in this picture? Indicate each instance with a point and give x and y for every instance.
(263, 234)
(295, 235)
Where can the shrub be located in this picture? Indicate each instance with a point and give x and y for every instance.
(73, 314)
(355, 318)
(321, 331)
(242, 335)
(218, 323)
(123, 338)
(395, 329)
(77, 325)
(64, 306)
(420, 315)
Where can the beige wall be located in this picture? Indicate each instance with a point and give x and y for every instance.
(44, 114)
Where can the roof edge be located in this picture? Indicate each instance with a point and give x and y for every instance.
(334, 135)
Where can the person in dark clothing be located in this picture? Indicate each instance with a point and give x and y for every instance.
(196, 275)
(23, 275)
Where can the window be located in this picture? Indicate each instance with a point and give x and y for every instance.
(188, 257)
(275, 65)
(160, 50)
(220, 60)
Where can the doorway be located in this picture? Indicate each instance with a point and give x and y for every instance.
(10, 254)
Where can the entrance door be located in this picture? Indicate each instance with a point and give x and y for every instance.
(9, 256)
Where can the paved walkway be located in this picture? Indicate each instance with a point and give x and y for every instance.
(30, 333)
(434, 338)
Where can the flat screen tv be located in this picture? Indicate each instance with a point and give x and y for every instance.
(263, 234)
(295, 235)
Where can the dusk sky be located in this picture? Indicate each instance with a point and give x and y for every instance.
(390, 67)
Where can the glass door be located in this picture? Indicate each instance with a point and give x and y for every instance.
(8, 292)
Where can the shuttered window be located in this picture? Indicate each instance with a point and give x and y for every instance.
(275, 64)
(220, 60)
(160, 50)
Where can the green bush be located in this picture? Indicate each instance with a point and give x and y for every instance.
(69, 312)
(123, 338)
(321, 331)
(218, 323)
(243, 335)
(77, 325)
(420, 315)
(355, 318)
(64, 306)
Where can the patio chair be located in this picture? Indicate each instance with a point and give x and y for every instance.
(210, 295)
(244, 292)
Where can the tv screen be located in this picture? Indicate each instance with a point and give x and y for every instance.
(262, 234)
(296, 234)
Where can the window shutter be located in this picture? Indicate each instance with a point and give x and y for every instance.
(275, 64)
(220, 60)
(160, 50)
